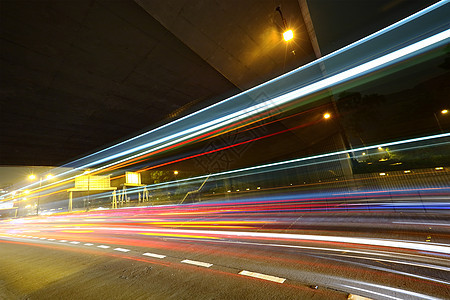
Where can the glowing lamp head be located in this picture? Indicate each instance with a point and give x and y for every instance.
(326, 116)
(175, 172)
(444, 111)
(49, 176)
(288, 35)
(32, 177)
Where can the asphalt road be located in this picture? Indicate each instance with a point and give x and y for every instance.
(219, 252)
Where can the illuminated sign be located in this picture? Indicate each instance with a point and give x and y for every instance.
(92, 182)
(133, 178)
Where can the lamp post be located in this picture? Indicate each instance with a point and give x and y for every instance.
(33, 177)
(288, 34)
(87, 173)
(443, 112)
(175, 173)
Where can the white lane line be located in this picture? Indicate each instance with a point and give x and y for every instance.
(74, 242)
(197, 263)
(262, 276)
(154, 255)
(35, 237)
(121, 249)
(42, 238)
(50, 239)
(103, 246)
(89, 244)
(63, 241)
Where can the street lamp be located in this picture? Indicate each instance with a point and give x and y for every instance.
(33, 177)
(288, 34)
(88, 189)
(443, 112)
(326, 116)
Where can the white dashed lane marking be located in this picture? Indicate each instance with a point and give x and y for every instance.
(197, 263)
(186, 261)
(154, 255)
(262, 276)
(121, 249)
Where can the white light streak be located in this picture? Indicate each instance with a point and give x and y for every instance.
(189, 133)
(316, 62)
(439, 248)
(297, 160)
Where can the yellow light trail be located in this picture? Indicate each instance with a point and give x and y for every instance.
(180, 235)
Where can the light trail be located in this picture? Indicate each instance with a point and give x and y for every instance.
(412, 245)
(179, 136)
(379, 33)
(303, 159)
(280, 100)
(211, 128)
(397, 290)
(267, 227)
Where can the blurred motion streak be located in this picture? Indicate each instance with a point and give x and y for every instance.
(342, 162)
